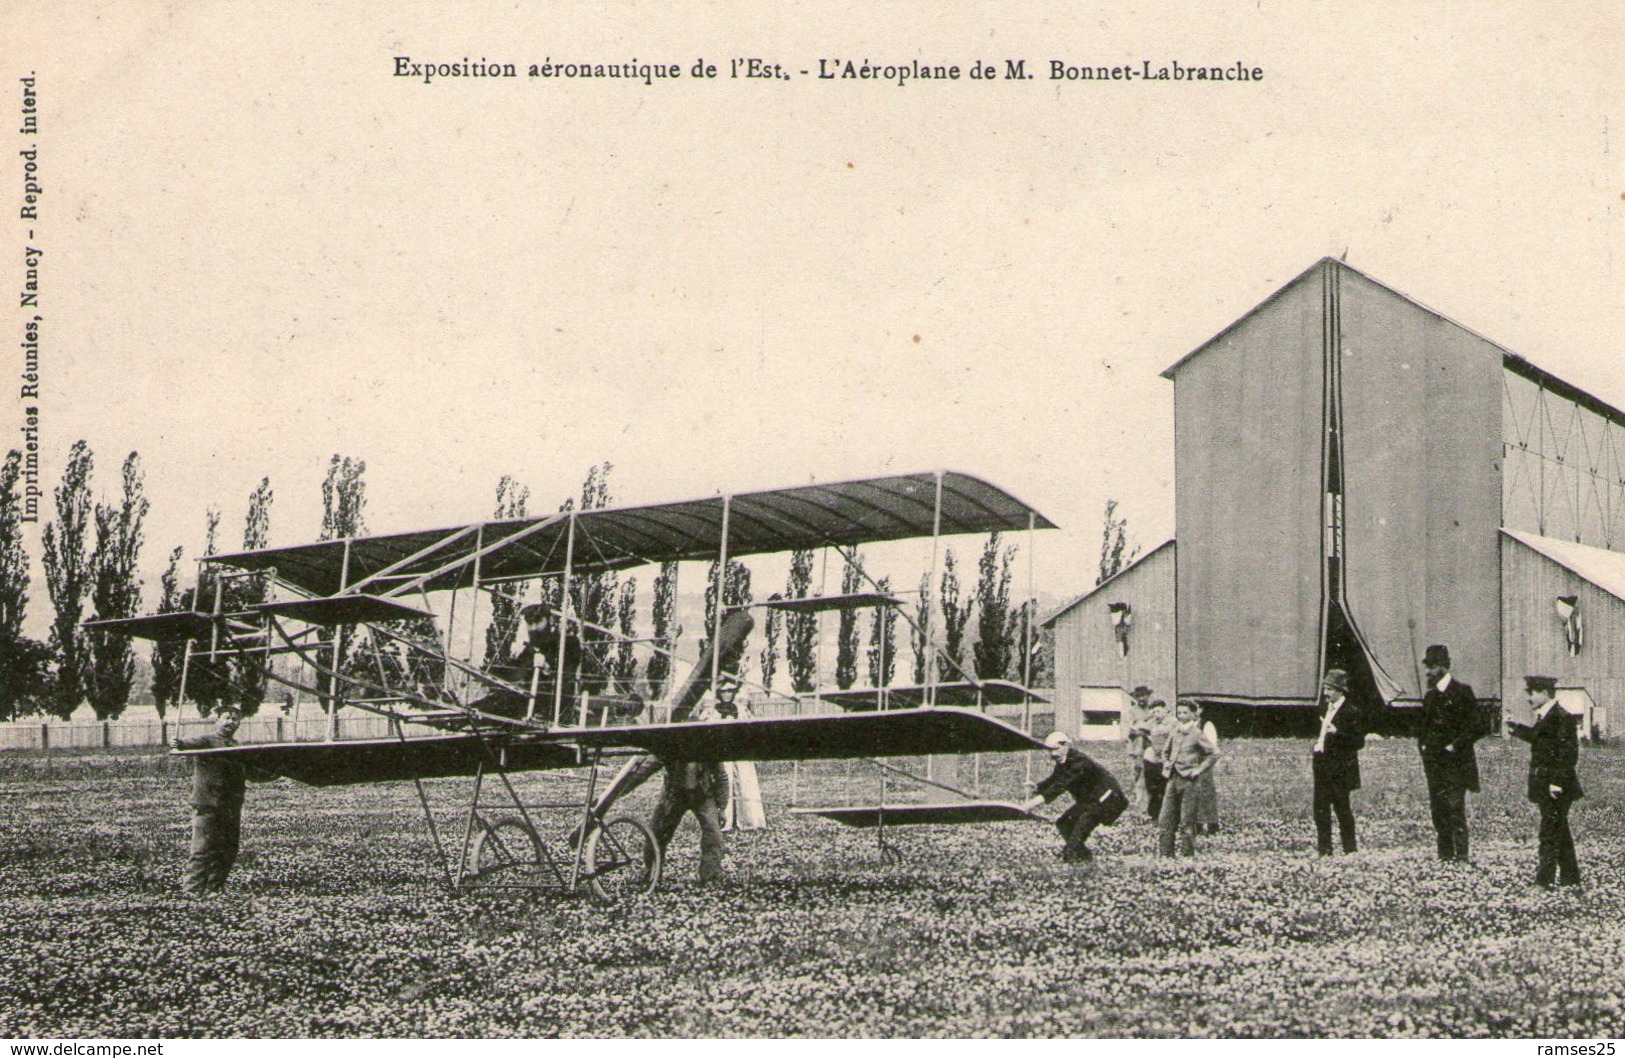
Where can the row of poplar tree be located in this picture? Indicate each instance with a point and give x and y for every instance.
(90, 555)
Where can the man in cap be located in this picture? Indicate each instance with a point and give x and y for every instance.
(1139, 711)
(1450, 726)
(532, 669)
(217, 806)
(1097, 797)
(1153, 731)
(742, 808)
(1335, 762)
(724, 705)
(1554, 746)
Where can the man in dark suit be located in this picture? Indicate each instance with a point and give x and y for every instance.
(1553, 785)
(1335, 762)
(532, 667)
(1450, 726)
(1097, 797)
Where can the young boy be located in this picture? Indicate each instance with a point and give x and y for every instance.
(1153, 730)
(1190, 753)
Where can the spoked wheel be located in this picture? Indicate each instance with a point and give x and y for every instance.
(621, 860)
(506, 852)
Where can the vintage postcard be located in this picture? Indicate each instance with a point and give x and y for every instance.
(1294, 325)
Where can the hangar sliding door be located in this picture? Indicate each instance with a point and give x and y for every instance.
(1248, 409)
(1342, 645)
(1419, 405)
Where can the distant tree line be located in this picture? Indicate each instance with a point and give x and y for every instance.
(90, 555)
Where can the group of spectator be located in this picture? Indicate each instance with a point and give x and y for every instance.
(1173, 758)
(1172, 761)
(1450, 725)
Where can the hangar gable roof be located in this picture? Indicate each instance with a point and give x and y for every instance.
(1512, 361)
(1103, 585)
(1598, 565)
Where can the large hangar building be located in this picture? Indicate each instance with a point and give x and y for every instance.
(1356, 477)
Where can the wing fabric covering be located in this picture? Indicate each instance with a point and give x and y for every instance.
(844, 514)
(898, 733)
(962, 693)
(356, 761)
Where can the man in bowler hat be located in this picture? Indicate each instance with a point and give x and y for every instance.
(1450, 726)
(1335, 762)
(1554, 747)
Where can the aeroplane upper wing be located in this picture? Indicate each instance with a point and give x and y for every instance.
(352, 761)
(845, 513)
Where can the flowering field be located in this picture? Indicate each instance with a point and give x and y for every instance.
(334, 924)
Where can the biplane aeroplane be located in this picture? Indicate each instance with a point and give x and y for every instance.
(413, 598)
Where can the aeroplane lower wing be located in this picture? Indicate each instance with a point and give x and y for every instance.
(890, 733)
(870, 816)
(176, 626)
(897, 733)
(352, 761)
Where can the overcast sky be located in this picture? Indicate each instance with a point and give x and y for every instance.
(262, 248)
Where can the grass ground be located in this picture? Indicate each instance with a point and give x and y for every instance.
(334, 924)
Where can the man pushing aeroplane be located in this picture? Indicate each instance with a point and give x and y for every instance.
(1097, 797)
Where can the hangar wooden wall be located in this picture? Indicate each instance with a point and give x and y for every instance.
(1086, 650)
(1247, 450)
(1532, 634)
(1422, 441)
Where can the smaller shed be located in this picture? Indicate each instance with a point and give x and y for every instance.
(1120, 634)
(1562, 615)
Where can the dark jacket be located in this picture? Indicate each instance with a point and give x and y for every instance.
(1337, 765)
(217, 782)
(1086, 781)
(1450, 719)
(697, 779)
(1554, 744)
(520, 668)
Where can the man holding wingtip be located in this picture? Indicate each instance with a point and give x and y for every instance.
(1097, 797)
(217, 805)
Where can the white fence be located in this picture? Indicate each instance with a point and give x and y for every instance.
(136, 734)
(56, 735)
